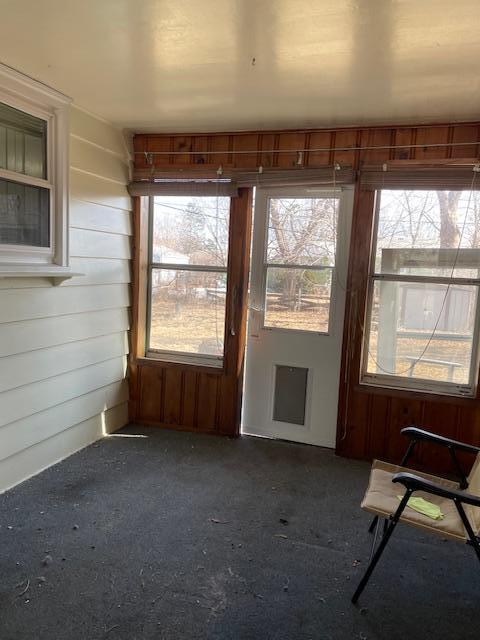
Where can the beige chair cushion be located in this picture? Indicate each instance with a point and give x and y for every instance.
(473, 513)
(381, 499)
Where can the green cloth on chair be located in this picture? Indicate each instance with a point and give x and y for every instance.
(423, 506)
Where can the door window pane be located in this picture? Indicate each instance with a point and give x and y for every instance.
(190, 230)
(298, 299)
(429, 323)
(24, 214)
(429, 233)
(187, 312)
(302, 231)
(22, 142)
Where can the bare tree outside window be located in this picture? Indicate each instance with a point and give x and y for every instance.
(425, 328)
(300, 258)
(189, 253)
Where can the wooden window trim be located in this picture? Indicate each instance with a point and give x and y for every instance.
(392, 382)
(185, 396)
(140, 300)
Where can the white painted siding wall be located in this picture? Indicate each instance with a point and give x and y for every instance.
(63, 349)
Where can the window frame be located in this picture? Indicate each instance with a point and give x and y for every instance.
(305, 193)
(167, 355)
(402, 383)
(38, 100)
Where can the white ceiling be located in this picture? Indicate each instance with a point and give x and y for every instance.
(187, 65)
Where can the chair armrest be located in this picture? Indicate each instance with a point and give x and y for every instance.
(415, 483)
(420, 434)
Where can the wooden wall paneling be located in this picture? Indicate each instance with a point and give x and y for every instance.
(351, 434)
(403, 136)
(229, 409)
(159, 144)
(207, 402)
(343, 139)
(150, 396)
(403, 413)
(134, 389)
(263, 142)
(140, 146)
(319, 140)
(182, 143)
(468, 429)
(360, 409)
(378, 419)
(173, 396)
(354, 410)
(468, 424)
(237, 284)
(347, 438)
(370, 419)
(247, 142)
(237, 308)
(187, 396)
(188, 413)
(199, 143)
(220, 143)
(377, 138)
(429, 135)
(292, 141)
(443, 419)
(266, 144)
(465, 133)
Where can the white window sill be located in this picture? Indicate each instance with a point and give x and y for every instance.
(55, 273)
(177, 358)
(419, 385)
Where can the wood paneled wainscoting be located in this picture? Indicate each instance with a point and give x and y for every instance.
(369, 419)
(187, 396)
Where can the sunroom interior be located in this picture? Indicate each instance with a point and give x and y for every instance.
(239, 263)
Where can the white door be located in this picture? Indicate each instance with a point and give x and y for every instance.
(297, 303)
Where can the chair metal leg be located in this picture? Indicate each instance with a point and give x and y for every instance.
(373, 563)
(385, 526)
(374, 542)
(473, 540)
(381, 547)
(373, 524)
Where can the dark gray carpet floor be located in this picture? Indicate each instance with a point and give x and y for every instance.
(175, 536)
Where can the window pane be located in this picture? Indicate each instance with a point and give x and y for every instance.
(22, 142)
(404, 316)
(191, 230)
(298, 299)
(24, 214)
(302, 231)
(187, 312)
(428, 232)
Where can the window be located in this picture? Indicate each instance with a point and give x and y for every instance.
(423, 317)
(299, 262)
(33, 177)
(188, 277)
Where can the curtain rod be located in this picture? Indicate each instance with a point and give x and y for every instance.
(317, 150)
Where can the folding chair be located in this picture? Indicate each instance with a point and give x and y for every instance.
(461, 509)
